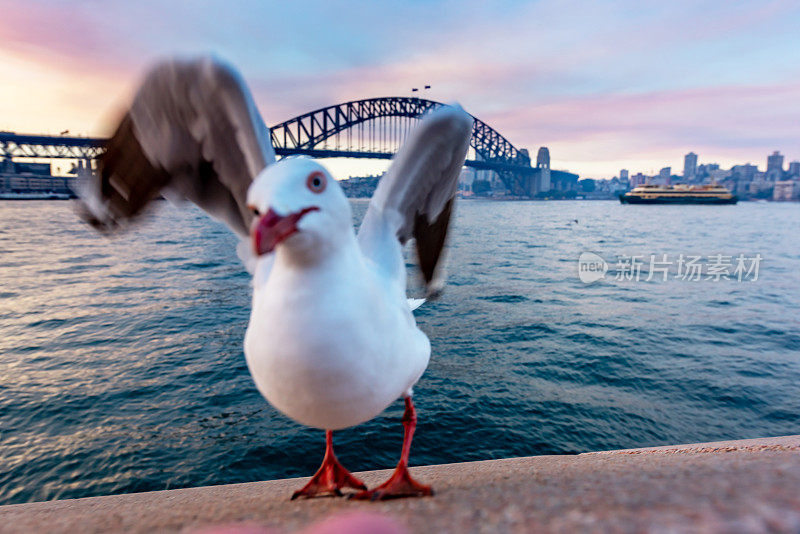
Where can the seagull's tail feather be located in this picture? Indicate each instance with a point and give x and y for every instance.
(415, 303)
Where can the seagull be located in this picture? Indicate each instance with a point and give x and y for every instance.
(332, 340)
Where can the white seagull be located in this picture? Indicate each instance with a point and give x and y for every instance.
(332, 340)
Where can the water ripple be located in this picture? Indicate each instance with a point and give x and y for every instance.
(121, 365)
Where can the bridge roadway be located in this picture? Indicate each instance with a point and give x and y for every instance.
(60, 147)
(378, 126)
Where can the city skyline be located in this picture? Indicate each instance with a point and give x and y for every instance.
(788, 164)
(605, 87)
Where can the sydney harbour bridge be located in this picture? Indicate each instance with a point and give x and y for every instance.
(368, 128)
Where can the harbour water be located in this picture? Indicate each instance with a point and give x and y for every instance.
(121, 364)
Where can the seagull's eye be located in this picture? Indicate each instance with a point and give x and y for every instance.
(256, 212)
(316, 182)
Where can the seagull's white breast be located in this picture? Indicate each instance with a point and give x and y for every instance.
(333, 346)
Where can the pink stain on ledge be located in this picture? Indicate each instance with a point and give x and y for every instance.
(344, 523)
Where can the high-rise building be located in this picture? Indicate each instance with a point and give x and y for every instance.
(775, 161)
(623, 175)
(794, 169)
(664, 175)
(775, 166)
(689, 165)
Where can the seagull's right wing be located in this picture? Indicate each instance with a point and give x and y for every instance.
(192, 131)
(415, 196)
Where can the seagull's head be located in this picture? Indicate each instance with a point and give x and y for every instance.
(298, 205)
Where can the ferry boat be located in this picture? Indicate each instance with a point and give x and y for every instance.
(679, 194)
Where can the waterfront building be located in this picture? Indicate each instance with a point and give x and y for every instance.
(746, 172)
(775, 166)
(26, 179)
(637, 179)
(794, 169)
(664, 175)
(719, 175)
(360, 186)
(705, 169)
(741, 176)
(785, 190)
(563, 181)
(466, 178)
(689, 165)
(616, 186)
(759, 185)
(498, 186)
(623, 175)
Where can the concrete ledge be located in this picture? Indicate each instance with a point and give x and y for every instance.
(783, 443)
(734, 486)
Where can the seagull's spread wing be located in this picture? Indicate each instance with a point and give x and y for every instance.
(415, 197)
(192, 131)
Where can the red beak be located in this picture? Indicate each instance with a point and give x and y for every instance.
(272, 228)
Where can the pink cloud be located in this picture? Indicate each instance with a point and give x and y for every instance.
(592, 85)
(68, 36)
(730, 123)
(710, 107)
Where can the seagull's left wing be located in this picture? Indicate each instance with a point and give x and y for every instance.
(192, 131)
(415, 197)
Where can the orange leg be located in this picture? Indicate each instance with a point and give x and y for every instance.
(331, 476)
(400, 484)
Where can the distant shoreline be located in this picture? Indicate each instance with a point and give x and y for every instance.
(36, 196)
(62, 196)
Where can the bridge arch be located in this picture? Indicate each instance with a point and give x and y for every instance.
(306, 134)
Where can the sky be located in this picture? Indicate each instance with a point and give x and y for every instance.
(605, 85)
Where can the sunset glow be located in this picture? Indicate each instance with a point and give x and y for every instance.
(603, 85)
